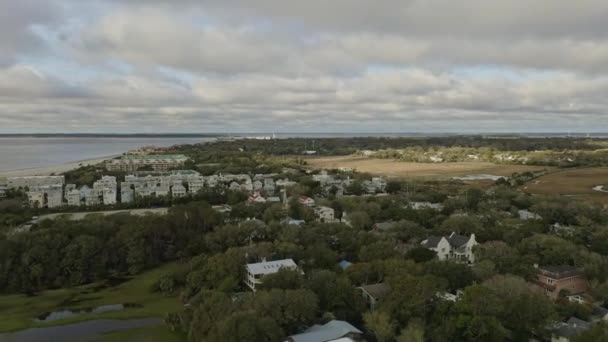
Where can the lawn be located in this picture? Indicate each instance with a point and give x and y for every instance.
(573, 183)
(17, 312)
(389, 167)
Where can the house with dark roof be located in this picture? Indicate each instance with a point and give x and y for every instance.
(330, 332)
(453, 247)
(374, 293)
(555, 279)
(564, 331)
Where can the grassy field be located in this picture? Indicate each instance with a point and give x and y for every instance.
(572, 182)
(149, 334)
(18, 311)
(389, 167)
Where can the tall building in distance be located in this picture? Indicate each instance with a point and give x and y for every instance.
(158, 162)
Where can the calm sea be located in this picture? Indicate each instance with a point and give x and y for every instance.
(30, 152)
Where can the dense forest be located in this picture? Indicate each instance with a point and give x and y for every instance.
(497, 301)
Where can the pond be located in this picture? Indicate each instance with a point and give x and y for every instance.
(62, 314)
(77, 332)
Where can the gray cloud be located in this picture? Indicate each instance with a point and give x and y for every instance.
(339, 65)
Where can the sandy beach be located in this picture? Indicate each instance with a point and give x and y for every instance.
(56, 169)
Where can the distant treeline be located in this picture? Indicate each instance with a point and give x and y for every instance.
(345, 146)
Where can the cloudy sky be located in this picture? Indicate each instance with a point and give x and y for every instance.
(303, 66)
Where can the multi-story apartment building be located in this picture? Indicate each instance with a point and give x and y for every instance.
(45, 196)
(158, 162)
(34, 181)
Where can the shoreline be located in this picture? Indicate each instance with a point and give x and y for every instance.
(56, 169)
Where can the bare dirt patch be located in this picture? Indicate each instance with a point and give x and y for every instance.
(393, 168)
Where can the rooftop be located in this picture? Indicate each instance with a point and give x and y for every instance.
(153, 156)
(330, 331)
(378, 291)
(269, 267)
(560, 271)
(571, 328)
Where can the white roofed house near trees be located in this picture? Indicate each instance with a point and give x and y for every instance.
(257, 271)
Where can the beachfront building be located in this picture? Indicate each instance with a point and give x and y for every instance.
(46, 196)
(105, 188)
(178, 190)
(72, 196)
(158, 162)
(144, 183)
(34, 181)
(127, 195)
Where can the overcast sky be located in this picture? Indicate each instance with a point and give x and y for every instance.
(303, 66)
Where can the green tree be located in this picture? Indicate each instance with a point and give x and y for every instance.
(414, 332)
(381, 325)
(246, 326)
(284, 279)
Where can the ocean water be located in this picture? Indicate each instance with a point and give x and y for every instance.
(34, 152)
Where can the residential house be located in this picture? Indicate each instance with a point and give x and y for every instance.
(196, 185)
(374, 293)
(555, 279)
(333, 331)
(426, 205)
(453, 247)
(565, 331)
(256, 272)
(258, 186)
(526, 215)
(256, 198)
(234, 186)
(225, 208)
(269, 186)
(284, 183)
(307, 201)
(293, 222)
(325, 214)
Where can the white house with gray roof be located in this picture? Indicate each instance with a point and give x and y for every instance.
(257, 271)
(332, 331)
(453, 247)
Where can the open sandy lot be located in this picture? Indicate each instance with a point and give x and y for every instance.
(572, 182)
(388, 167)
